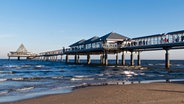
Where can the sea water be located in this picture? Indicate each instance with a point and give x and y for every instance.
(30, 78)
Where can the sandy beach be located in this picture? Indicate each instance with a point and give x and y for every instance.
(154, 93)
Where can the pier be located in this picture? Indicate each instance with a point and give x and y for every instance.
(22, 52)
(117, 44)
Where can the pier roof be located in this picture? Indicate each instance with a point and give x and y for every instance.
(142, 37)
(21, 49)
(91, 40)
(78, 43)
(113, 36)
(177, 32)
(109, 36)
(157, 35)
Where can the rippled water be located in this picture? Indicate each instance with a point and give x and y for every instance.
(25, 79)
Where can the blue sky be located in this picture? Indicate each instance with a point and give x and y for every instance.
(43, 25)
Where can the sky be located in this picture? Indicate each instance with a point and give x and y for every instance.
(43, 25)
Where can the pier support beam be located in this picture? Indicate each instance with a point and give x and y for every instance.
(117, 60)
(75, 59)
(123, 58)
(56, 58)
(67, 60)
(106, 58)
(78, 59)
(138, 59)
(61, 58)
(131, 59)
(18, 58)
(88, 59)
(28, 58)
(167, 60)
(102, 59)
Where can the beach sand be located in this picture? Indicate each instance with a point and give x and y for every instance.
(154, 93)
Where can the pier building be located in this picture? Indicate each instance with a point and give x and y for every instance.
(21, 52)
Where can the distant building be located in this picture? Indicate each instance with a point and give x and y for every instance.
(21, 52)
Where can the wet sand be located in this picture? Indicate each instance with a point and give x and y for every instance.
(154, 93)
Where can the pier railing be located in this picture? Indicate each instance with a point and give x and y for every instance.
(159, 40)
(70, 50)
(50, 53)
(21, 54)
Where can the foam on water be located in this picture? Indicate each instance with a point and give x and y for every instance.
(3, 92)
(2, 80)
(17, 79)
(24, 89)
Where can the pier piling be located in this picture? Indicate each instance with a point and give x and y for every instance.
(106, 59)
(123, 58)
(131, 59)
(103, 59)
(88, 59)
(117, 60)
(75, 58)
(78, 59)
(138, 59)
(61, 58)
(167, 60)
(67, 60)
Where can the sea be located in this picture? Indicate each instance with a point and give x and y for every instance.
(26, 79)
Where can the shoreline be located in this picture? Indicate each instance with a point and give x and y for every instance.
(146, 93)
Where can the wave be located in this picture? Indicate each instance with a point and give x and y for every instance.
(6, 72)
(2, 80)
(11, 66)
(33, 78)
(36, 71)
(100, 75)
(81, 76)
(150, 64)
(129, 73)
(176, 80)
(3, 92)
(24, 66)
(27, 78)
(178, 64)
(77, 79)
(17, 79)
(59, 77)
(160, 64)
(25, 89)
(39, 66)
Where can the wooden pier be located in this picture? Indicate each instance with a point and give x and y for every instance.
(114, 43)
